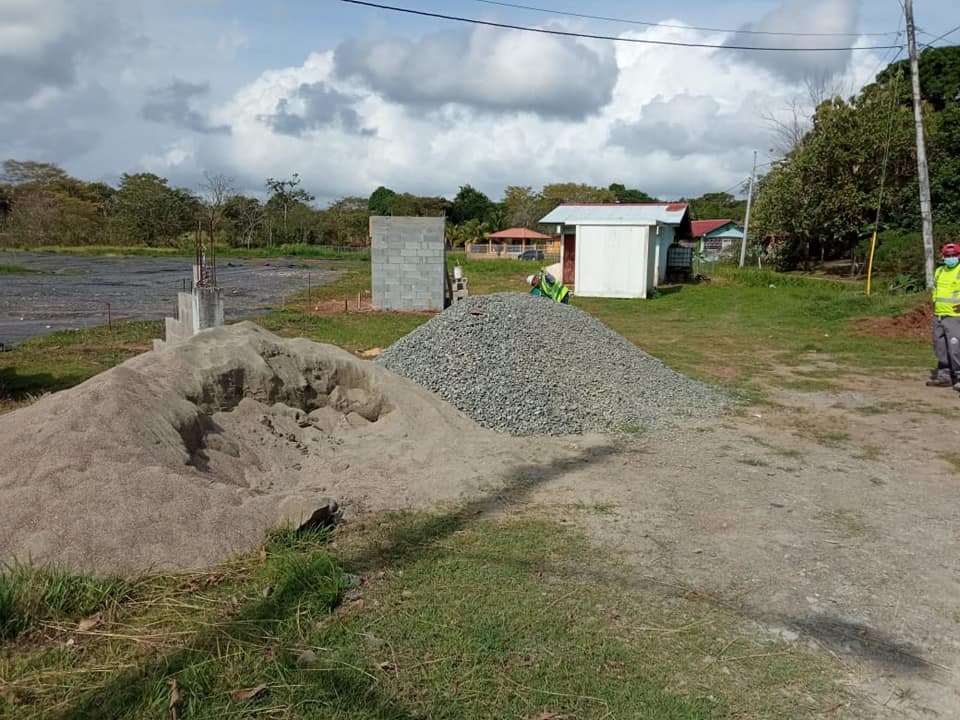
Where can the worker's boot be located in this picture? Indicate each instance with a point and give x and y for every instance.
(942, 382)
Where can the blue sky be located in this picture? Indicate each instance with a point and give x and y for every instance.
(352, 97)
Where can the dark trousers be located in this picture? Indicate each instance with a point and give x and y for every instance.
(946, 346)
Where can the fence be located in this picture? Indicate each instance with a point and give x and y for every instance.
(492, 250)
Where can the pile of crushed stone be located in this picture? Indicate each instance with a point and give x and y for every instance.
(524, 365)
(185, 456)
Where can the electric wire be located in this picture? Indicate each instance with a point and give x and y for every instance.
(614, 38)
(628, 21)
(940, 37)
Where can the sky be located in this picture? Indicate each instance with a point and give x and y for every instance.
(352, 97)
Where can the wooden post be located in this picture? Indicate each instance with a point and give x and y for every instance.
(109, 317)
(359, 294)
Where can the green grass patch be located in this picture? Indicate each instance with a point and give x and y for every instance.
(952, 459)
(16, 270)
(63, 359)
(29, 596)
(456, 617)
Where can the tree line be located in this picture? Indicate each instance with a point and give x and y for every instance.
(40, 204)
(858, 156)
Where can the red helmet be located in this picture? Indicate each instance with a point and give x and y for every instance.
(950, 250)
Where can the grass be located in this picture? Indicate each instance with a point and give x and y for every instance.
(952, 459)
(63, 359)
(16, 270)
(457, 617)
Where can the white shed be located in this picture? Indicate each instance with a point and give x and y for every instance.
(617, 249)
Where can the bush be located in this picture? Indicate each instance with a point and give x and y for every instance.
(900, 255)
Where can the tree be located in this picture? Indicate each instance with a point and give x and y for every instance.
(285, 194)
(381, 201)
(558, 193)
(243, 217)
(43, 204)
(524, 206)
(624, 194)
(345, 222)
(821, 199)
(217, 188)
(469, 204)
(28, 172)
(150, 212)
(714, 206)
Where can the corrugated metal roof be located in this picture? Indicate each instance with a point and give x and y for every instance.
(702, 227)
(616, 214)
(518, 233)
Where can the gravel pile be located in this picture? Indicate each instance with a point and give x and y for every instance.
(524, 365)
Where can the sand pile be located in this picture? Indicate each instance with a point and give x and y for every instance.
(185, 456)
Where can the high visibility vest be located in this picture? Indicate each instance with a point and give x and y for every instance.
(555, 291)
(946, 291)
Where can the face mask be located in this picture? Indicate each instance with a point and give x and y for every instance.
(951, 262)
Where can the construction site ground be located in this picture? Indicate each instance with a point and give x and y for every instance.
(822, 515)
(828, 518)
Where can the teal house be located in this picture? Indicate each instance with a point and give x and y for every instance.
(714, 239)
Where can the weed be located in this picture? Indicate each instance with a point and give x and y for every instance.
(849, 522)
(753, 462)
(30, 595)
(16, 270)
(832, 439)
(952, 458)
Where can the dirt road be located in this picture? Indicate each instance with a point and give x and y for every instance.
(826, 518)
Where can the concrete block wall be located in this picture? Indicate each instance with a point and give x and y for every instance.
(407, 262)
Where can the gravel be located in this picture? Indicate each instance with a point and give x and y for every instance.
(528, 366)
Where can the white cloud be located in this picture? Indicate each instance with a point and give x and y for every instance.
(42, 43)
(172, 159)
(813, 16)
(678, 121)
(487, 69)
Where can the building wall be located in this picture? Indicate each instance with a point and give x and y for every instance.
(613, 261)
(663, 241)
(407, 263)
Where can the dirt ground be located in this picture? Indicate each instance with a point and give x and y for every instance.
(829, 518)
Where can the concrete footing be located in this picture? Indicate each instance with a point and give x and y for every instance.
(197, 310)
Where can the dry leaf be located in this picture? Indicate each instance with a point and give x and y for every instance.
(546, 715)
(263, 553)
(267, 591)
(386, 666)
(89, 623)
(174, 699)
(248, 693)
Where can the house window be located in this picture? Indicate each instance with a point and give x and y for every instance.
(712, 244)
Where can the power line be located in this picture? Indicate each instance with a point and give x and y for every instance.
(628, 21)
(590, 36)
(940, 37)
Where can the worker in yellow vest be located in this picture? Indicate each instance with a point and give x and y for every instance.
(946, 319)
(543, 283)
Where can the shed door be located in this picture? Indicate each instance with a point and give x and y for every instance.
(569, 258)
(612, 261)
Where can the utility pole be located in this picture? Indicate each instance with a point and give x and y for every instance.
(926, 212)
(746, 221)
